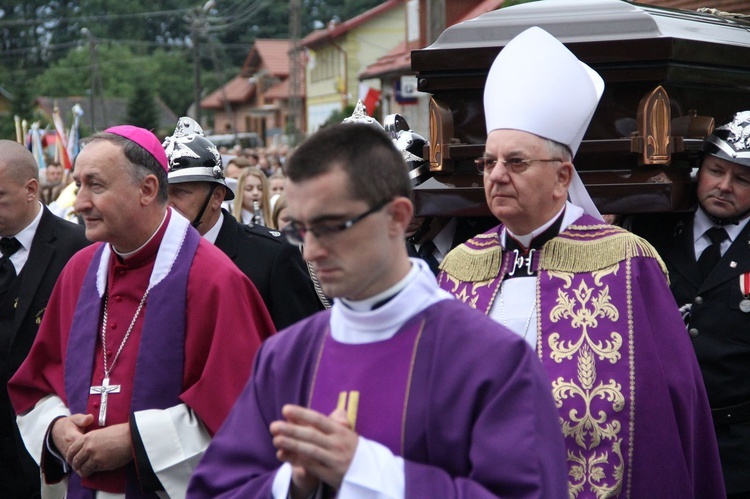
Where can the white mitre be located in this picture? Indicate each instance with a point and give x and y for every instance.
(537, 85)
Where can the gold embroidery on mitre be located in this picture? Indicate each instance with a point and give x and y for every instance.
(481, 262)
(582, 250)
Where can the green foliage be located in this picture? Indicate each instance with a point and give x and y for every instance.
(22, 106)
(142, 108)
(43, 47)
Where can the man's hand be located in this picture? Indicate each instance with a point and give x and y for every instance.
(323, 447)
(101, 450)
(67, 430)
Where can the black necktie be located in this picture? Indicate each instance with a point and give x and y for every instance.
(8, 246)
(426, 253)
(712, 254)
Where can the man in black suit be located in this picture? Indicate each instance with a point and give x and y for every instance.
(707, 253)
(197, 188)
(35, 246)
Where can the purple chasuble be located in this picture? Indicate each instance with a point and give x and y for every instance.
(352, 377)
(603, 312)
(479, 421)
(160, 361)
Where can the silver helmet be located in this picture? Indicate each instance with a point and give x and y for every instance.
(731, 141)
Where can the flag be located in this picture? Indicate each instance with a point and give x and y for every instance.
(74, 134)
(369, 97)
(37, 148)
(25, 133)
(19, 133)
(61, 151)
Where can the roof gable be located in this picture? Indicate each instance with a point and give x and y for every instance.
(398, 60)
(338, 30)
(269, 54)
(237, 90)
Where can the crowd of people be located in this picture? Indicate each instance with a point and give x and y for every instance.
(218, 326)
(255, 172)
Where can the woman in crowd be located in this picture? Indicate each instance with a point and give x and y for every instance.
(276, 183)
(253, 205)
(280, 216)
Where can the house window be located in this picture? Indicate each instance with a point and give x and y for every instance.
(325, 65)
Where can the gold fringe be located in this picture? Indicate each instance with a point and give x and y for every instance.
(473, 265)
(588, 252)
(586, 255)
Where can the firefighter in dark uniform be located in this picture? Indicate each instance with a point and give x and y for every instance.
(197, 189)
(707, 253)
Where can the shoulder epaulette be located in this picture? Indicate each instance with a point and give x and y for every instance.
(477, 260)
(587, 248)
(263, 231)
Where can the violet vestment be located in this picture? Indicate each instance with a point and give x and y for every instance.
(180, 370)
(470, 418)
(631, 399)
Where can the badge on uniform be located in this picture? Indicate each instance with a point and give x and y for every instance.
(745, 288)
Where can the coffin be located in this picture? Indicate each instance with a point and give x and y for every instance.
(670, 75)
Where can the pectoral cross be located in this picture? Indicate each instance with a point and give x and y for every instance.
(104, 390)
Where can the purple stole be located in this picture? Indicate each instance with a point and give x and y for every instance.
(160, 362)
(585, 338)
(352, 377)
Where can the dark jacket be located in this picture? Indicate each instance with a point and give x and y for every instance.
(719, 330)
(55, 241)
(275, 267)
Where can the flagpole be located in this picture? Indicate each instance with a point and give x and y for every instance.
(19, 135)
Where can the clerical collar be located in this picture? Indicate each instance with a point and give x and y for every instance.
(381, 298)
(358, 327)
(536, 238)
(213, 232)
(158, 230)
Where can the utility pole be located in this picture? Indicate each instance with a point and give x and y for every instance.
(295, 73)
(220, 78)
(92, 54)
(197, 90)
(197, 27)
(435, 19)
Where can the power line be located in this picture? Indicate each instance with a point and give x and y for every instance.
(103, 17)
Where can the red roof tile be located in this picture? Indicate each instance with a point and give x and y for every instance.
(278, 91)
(398, 60)
(237, 90)
(269, 54)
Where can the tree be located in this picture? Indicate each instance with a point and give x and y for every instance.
(142, 109)
(42, 46)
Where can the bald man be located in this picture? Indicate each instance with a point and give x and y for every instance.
(35, 246)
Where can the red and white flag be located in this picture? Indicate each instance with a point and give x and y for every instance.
(369, 97)
(61, 152)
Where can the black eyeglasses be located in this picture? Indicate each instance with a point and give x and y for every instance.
(295, 232)
(514, 165)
